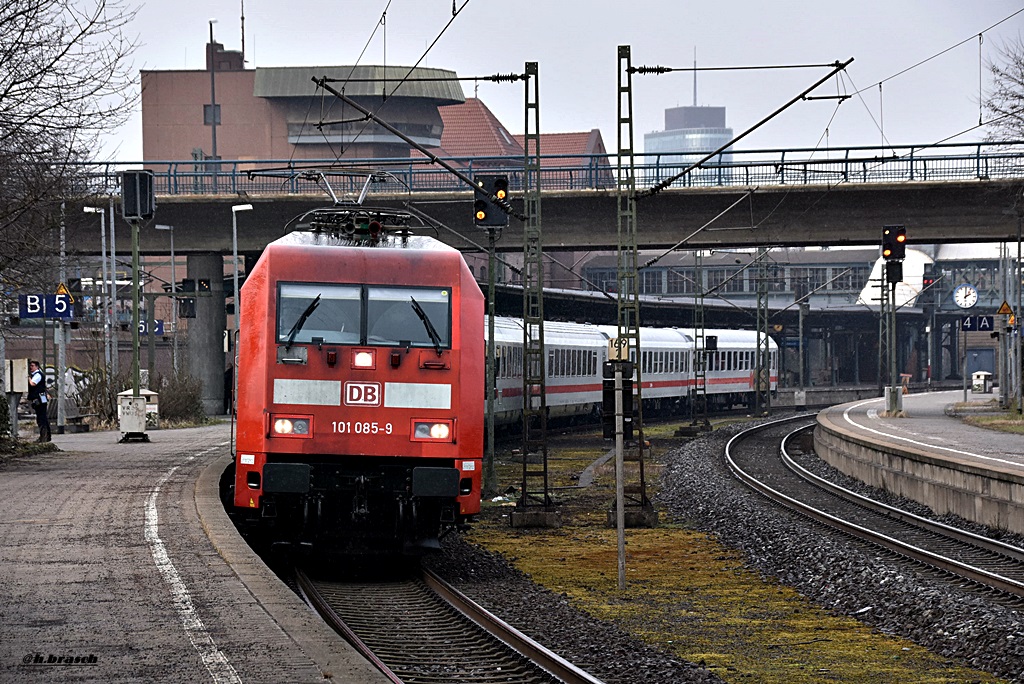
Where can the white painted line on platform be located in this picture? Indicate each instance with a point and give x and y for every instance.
(213, 658)
(927, 445)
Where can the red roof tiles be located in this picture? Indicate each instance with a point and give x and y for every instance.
(472, 130)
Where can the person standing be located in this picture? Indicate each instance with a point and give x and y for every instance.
(37, 397)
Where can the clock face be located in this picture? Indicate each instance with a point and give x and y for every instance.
(965, 296)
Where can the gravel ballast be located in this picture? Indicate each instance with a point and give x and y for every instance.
(696, 487)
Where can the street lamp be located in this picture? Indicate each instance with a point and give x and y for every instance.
(174, 302)
(103, 285)
(238, 302)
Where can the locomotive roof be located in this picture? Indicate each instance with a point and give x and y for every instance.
(387, 241)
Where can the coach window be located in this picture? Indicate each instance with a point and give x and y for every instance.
(305, 311)
(418, 316)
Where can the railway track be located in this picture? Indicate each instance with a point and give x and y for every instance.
(763, 458)
(419, 629)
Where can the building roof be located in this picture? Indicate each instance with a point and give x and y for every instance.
(360, 81)
(472, 130)
(572, 147)
(980, 251)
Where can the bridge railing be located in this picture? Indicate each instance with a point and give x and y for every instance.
(742, 168)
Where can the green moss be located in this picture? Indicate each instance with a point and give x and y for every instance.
(688, 595)
(1008, 421)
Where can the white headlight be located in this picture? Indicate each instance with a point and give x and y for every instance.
(292, 426)
(440, 431)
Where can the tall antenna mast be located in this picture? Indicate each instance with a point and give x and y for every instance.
(694, 73)
(243, 34)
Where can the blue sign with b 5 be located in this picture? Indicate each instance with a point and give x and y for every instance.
(45, 306)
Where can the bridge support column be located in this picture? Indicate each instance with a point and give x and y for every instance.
(206, 331)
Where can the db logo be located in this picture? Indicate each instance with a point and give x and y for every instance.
(362, 394)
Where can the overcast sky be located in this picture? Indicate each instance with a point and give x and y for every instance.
(575, 45)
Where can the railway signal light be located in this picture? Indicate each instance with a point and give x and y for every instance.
(927, 281)
(501, 187)
(138, 201)
(901, 243)
(928, 278)
(894, 242)
(485, 211)
(479, 211)
(608, 399)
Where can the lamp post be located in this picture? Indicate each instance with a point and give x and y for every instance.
(1018, 319)
(115, 343)
(104, 304)
(238, 303)
(174, 302)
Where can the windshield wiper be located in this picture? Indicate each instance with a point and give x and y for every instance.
(434, 337)
(301, 322)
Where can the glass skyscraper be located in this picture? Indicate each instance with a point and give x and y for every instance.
(690, 134)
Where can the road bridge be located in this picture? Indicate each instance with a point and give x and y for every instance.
(953, 193)
(942, 193)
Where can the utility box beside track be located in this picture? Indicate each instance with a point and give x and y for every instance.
(136, 414)
(981, 382)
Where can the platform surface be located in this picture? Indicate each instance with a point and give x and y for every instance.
(119, 564)
(929, 424)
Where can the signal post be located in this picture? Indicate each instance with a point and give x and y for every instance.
(894, 250)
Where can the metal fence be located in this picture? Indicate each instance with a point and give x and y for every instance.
(826, 166)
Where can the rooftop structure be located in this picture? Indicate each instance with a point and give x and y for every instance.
(275, 112)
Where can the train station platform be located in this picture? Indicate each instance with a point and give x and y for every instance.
(119, 564)
(930, 455)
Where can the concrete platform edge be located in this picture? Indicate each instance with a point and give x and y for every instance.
(335, 658)
(990, 496)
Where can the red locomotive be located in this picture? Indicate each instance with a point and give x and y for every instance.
(360, 389)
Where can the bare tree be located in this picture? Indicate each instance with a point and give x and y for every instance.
(65, 79)
(1005, 104)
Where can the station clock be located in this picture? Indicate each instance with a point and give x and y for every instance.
(965, 296)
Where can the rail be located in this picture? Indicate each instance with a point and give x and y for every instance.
(987, 562)
(455, 638)
(736, 168)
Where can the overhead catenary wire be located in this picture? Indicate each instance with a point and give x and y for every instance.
(455, 14)
(686, 239)
(951, 47)
(836, 67)
(980, 36)
(643, 70)
(494, 78)
(385, 94)
(502, 204)
(359, 59)
(879, 123)
(895, 157)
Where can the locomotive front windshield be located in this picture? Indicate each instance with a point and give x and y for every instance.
(328, 312)
(311, 313)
